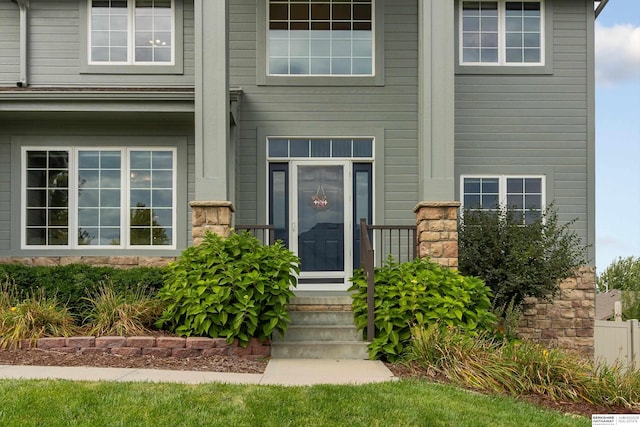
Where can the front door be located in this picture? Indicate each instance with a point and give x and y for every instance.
(320, 231)
(318, 189)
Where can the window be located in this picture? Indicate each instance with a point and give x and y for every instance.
(523, 194)
(320, 148)
(320, 38)
(501, 32)
(131, 32)
(89, 197)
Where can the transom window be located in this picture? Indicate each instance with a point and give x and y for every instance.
(320, 148)
(501, 32)
(88, 197)
(523, 194)
(322, 38)
(131, 31)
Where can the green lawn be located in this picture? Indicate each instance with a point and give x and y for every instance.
(404, 403)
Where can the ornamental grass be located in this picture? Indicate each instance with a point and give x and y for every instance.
(130, 312)
(32, 317)
(521, 368)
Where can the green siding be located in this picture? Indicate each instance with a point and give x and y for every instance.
(535, 124)
(55, 49)
(9, 43)
(392, 108)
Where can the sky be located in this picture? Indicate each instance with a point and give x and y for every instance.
(617, 52)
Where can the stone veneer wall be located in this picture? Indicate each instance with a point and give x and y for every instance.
(153, 346)
(437, 224)
(96, 261)
(568, 321)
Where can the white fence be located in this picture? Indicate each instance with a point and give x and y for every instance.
(617, 342)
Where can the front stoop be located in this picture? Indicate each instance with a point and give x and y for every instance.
(320, 328)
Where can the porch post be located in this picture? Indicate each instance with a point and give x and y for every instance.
(438, 232)
(213, 216)
(211, 210)
(436, 56)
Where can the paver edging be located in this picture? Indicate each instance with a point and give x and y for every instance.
(164, 346)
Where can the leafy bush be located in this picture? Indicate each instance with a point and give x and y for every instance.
(128, 312)
(34, 317)
(518, 260)
(418, 292)
(231, 288)
(72, 283)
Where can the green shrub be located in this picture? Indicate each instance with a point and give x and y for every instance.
(231, 288)
(128, 312)
(72, 283)
(34, 317)
(517, 259)
(418, 292)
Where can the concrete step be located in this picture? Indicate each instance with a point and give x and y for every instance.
(319, 333)
(319, 350)
(321, 317)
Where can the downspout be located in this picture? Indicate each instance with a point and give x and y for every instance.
(24, 9)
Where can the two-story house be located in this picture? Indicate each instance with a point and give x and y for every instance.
(116, 115)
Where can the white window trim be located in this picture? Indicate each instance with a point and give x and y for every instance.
(502, 188)
(73, 199)
(501, 37)
(131, 39)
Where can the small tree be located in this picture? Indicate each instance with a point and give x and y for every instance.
(623, 274)
(518, 259)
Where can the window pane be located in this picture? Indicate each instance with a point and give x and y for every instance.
(151, 209)
(140, 159)
(515, 185)
(47, 197)
(341, 148)
(320, 148)
(533, 185)
(299, 147)
(362, 148)
(278, 148)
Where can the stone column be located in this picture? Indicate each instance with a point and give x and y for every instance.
(214, 216)
(438, 231)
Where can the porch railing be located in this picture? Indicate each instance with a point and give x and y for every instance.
(263, 232)
(400, 241)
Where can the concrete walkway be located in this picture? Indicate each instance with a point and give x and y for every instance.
(278, 371)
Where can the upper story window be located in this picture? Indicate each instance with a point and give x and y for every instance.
(83, 197)
(132, 32)
(502, 32)
(522, 194)
(320, 38)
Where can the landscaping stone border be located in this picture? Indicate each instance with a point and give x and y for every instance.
(155, 346)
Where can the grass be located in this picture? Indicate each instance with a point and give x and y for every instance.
(403, 403)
